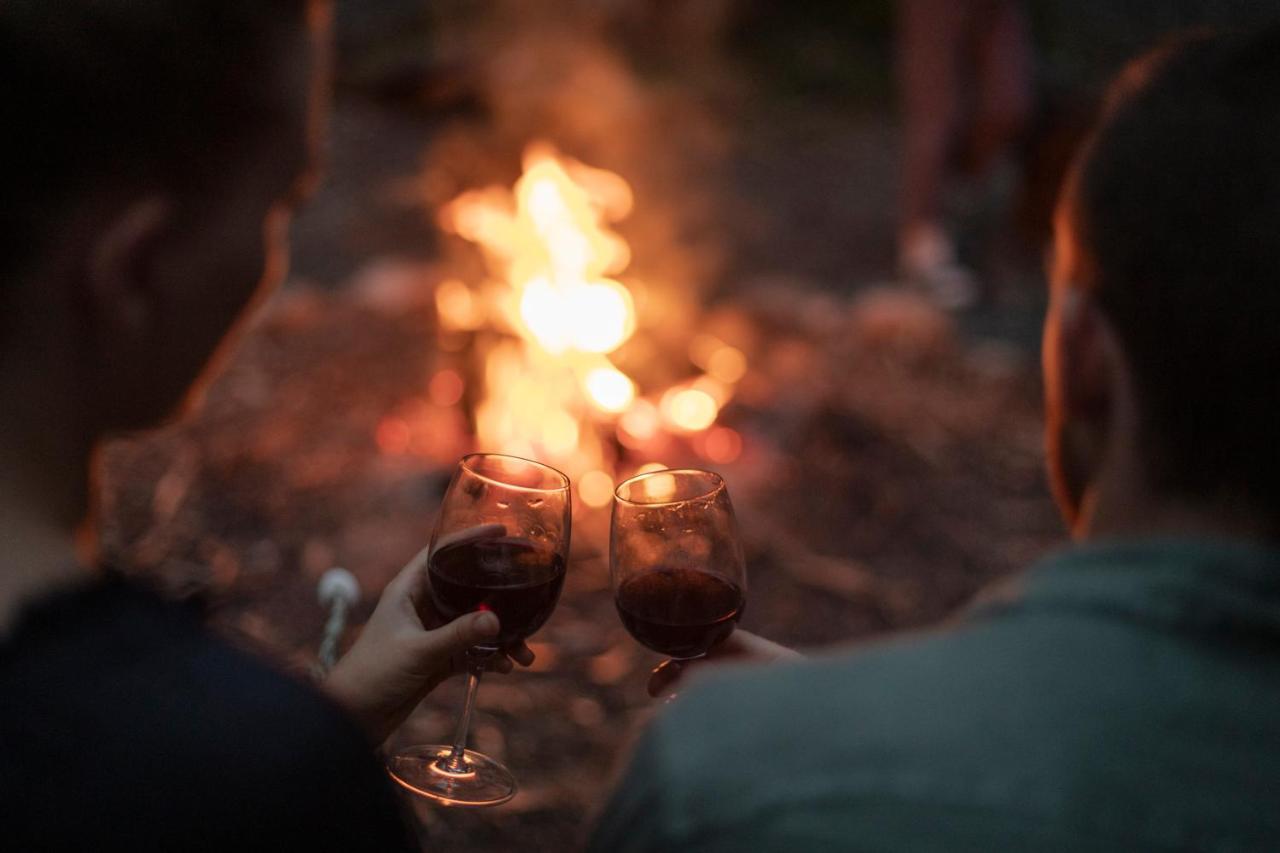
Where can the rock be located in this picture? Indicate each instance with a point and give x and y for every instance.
(394, 286)
(901, 323)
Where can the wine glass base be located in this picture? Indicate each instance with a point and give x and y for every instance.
(420, 769)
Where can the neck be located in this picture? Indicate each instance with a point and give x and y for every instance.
(44, 498)
(1121, 502)
(1134, 513)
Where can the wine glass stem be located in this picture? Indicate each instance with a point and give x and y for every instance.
(457, 761)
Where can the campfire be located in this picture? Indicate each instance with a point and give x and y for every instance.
(555, 337)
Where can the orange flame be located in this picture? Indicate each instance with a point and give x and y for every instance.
(554, 258)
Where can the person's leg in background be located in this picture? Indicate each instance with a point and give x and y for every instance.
(932, 63)
(965, 77)
(1003, 67)
(997, 155)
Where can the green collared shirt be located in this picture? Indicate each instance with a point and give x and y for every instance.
(1127, 699)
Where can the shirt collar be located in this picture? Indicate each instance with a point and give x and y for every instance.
(1213, 585)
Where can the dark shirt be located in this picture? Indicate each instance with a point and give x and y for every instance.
(124, 725)
(1127, 700)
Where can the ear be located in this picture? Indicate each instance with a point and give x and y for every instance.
(1088, 357)
(1082, 375)
(120, 267)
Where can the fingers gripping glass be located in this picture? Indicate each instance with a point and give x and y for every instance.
(679, 579)
(501, 544)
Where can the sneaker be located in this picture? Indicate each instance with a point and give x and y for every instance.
(927, 261)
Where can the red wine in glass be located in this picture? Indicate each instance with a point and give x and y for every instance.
(516, 579)
(680, 613)
(679, 580)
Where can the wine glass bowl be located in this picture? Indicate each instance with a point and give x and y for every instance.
(675, 561)
(467, 576)
(501, 543)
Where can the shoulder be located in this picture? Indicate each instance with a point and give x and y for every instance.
(923, 722)
(185, 731)
(745, 741)
(116, 657)
(855, 699)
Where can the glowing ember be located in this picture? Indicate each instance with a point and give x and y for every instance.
(393, 435)
(689, 409)
(457, 307)
(445, 388)
(610, 389)
(659, 487)
(639, 424)
(727, 364)
(595, 488)
(720, 360)
(722, 445)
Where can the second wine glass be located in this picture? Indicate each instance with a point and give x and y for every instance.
(501, 544)
(679, 579)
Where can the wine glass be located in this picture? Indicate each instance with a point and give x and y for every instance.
(679, 580)
(501, 543)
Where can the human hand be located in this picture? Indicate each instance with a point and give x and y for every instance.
(740, 645)
(406, 649)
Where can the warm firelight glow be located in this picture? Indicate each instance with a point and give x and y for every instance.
(595, 317)
(556, 251)
(393, 435)
(659, 487)
(547, 384)
(457, 306)
(721, 361)
(595, 488)
(445, 388)
(689, 409)
(639, 424)
(727, 364)
(610, 389)
(550, 244)
(722, 445)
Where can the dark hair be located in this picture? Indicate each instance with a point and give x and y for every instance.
(129, 92)
(1175, 202)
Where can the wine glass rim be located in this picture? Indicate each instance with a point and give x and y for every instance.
(716, 484)
(466, 464)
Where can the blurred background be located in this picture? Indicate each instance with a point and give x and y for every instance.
(799, 244)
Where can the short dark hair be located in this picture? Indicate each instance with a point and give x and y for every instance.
(1175, 204)
(131, 92)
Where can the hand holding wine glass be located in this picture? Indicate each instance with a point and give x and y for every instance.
(739, 647)
(679, 579)
(406, 649)
(501, 544)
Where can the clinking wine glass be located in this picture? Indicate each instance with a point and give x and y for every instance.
(501, 543)
(679, 579)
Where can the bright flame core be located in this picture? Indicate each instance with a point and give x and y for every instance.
(550, 241)
(610, 389)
